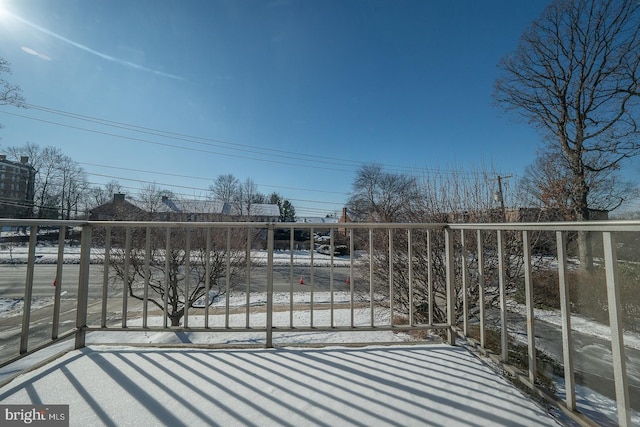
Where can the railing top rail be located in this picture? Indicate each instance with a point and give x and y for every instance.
(608, 225)
(8, 222)
(626, 225)
(278, 225)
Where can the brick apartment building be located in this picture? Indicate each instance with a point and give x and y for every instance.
(17, 180)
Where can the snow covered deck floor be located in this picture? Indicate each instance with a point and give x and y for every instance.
(400, 385)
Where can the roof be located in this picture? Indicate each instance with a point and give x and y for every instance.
(194, 206)
(258, 209)
(317, 220)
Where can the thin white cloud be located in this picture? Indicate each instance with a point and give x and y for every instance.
(35, 53)
(88, 49)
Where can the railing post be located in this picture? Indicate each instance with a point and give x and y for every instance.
(615, 321)
(528, 290)
(565, 309)
(451, 288)
(269, 338)
(62, 232)
(83, 286)
(28, 290)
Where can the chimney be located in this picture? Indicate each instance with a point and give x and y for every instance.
(165, 199)
(118, 197)
(345, 216)
(24, 159)
(3, 157)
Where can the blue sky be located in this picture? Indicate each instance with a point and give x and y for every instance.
(293, 94)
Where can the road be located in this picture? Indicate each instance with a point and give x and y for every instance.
(13, 276)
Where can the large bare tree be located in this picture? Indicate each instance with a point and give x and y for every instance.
(575, 76)
(60, 183)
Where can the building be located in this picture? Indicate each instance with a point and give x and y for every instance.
(120, 209)
(17, 188)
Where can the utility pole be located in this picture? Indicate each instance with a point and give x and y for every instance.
(499, 196)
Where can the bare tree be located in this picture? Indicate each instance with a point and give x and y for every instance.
(382, 196)
(47, 163)
(150, 197)
(99, 195)
(73, 187)
(442, 197)
(246, 197)
(547, 183)
(225, 188)
(195, 257)
(575, 76)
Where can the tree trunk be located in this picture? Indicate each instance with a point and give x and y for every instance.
(584, 241)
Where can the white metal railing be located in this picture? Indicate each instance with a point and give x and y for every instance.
(441, 265)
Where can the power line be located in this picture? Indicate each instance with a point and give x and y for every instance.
(252, 149)
(204, 179)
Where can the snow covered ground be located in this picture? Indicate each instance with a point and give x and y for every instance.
(403, 385)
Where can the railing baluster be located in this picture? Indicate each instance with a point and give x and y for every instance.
(481, 288)
(269, 336)
(331, 278)
(167, 265)
(311, 281)
(187, 277)
(351, 277)
(565, 309)
(62, 232)
(451, 288)
(248, 291)
(125, 285)
(28, 290)
(207, 278)
(105, 275)
(291, 274)
(528, 290)
(391, 296)
(147, 269)
(465, 290)
(371, 286)
(615, 322)
(430, 277)
(228, 276)
(504, 337)
(410, 262)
